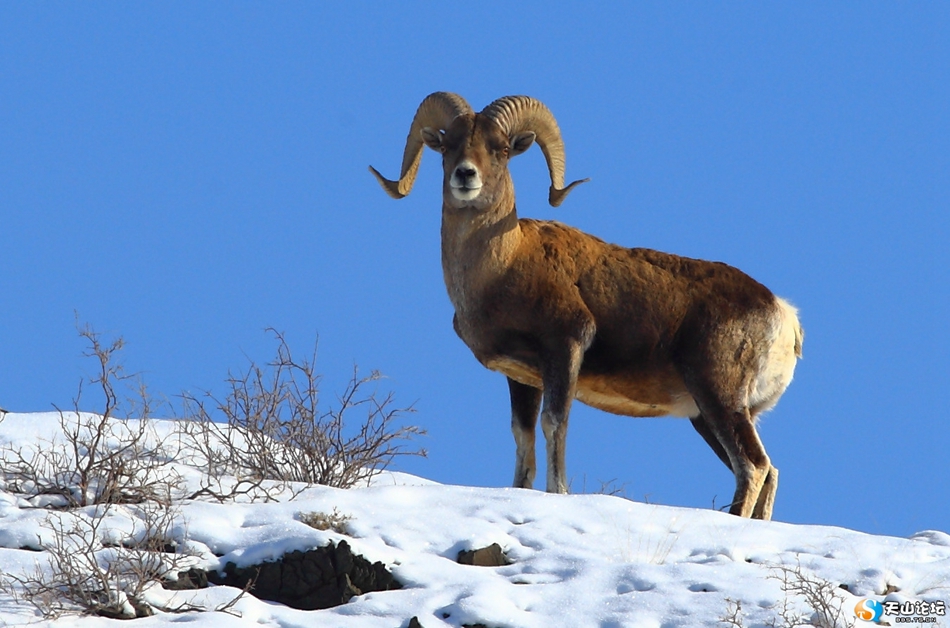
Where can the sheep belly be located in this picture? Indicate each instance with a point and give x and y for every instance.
(606, 398)
(625, 395)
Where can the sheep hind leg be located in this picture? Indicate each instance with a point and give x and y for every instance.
(737, 437)
(752, 470)
(700, 425)
(763, 506)
(525, 403)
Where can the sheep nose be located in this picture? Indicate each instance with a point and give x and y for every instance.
(465, 172)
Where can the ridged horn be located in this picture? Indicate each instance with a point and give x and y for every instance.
(436, 111)
(518, 114)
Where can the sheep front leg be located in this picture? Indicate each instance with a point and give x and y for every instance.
(525, 402)
(560, 384)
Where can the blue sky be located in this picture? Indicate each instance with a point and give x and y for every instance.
(187, 175)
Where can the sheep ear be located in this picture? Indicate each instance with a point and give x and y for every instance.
(432, 138)
(521, 142)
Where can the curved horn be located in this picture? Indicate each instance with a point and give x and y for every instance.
(517, 114)
(436, 111)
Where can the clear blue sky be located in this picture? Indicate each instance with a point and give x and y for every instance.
(186, 175)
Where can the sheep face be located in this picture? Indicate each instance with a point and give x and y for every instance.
(475, 153)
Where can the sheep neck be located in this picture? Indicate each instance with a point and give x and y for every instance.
(477, 248)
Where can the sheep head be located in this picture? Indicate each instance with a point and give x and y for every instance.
(476, 148)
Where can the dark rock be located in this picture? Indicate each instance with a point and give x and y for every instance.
(315, 579)
(490, 556)
(194, 578)
(141, 608)
(168, 547)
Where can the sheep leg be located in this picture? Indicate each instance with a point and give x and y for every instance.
(763, 506)
(525, 403)
(738, 442)
(560, 383)
(749, 462)
(766, 495)
(699, 423)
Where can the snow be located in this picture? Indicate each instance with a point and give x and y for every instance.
(577, 560)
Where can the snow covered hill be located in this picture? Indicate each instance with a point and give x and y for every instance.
(576, 560)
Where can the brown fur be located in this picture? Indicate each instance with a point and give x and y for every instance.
(635, 332)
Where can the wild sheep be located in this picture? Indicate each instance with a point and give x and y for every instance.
(564, 314)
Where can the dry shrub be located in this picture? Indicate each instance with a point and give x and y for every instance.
(269, 427)
(823, 598)
(97, 459)
(334, 520)
(265, 435)
(87, 571)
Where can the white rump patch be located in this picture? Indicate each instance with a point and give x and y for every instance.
(775, 374)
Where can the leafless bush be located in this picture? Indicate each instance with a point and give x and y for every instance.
(270, 427)
(823, 598)
(89, 571)
(733, 614)
(272, 434)
(97, 459)
(602, 487)
(96, 462)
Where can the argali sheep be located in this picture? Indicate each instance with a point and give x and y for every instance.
(564, 314)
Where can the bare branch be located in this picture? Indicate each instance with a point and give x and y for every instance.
(99, 458)
(270, 427)
(85, 574)
(821, 596)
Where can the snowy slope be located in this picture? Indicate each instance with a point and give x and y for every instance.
(578, 560)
